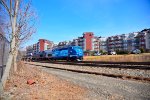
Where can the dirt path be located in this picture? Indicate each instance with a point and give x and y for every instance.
(46, 87)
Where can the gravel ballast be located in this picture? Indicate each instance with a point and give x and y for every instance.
(115, 71)
(104, 88)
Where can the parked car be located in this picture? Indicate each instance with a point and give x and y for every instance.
(112, 53)
(97, 54)
(136, 51)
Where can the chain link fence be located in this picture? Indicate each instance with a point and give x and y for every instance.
(4, 52)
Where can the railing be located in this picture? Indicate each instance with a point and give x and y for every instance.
(4, 52)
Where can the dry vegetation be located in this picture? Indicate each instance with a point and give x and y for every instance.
(46, 87)
(120, 58)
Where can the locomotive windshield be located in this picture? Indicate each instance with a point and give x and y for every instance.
(77, 47)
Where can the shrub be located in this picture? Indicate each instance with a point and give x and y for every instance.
(103, 52)
(90, 53)
(122, 52)
(142, 50)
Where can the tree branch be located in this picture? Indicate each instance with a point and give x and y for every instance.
(8, 10)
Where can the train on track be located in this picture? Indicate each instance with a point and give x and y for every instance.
(70, 53)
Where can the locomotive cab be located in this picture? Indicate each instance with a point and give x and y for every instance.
(75, 53)
(68, 53)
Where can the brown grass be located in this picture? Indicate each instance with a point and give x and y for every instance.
(120, 58)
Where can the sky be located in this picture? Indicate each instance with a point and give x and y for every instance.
(60, 20)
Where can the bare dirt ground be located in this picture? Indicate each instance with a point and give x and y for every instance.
(46, 87)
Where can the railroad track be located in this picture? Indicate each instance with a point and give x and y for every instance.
(124, 77)
(125, 65)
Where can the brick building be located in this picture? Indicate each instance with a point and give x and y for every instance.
(44, 44)
(41, 45)
(87, 42)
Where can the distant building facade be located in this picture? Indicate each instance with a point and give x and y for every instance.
(129, 42)
(89, 42)
(44, 44)
(123, 42)
(41, 45)
(145, 39)
(103, 44)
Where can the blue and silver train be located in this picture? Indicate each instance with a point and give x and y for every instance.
(69, 53)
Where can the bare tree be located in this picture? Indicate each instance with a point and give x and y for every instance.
(20, 27)
(2, 17)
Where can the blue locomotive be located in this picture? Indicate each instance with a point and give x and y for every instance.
(68, 53)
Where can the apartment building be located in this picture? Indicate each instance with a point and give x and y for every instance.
(41, 45)
(63, 44)
(138, 40)
(132, 41)
(96, 43)
(87, 42)
(103, 44)
(44, 44)
(123, 42)
(147, 42)
(129, 42)
(35, 47)
(115, 43)
(145, 39)
(74, 42)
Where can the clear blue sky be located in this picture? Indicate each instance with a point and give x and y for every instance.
(61, 20)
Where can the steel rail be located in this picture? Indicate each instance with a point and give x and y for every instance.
(124, 77)
(125, 65)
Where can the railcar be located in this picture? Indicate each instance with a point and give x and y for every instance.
(35, 56)
(68, 53)
(48, 54)
(28, 57)
(38, 55)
